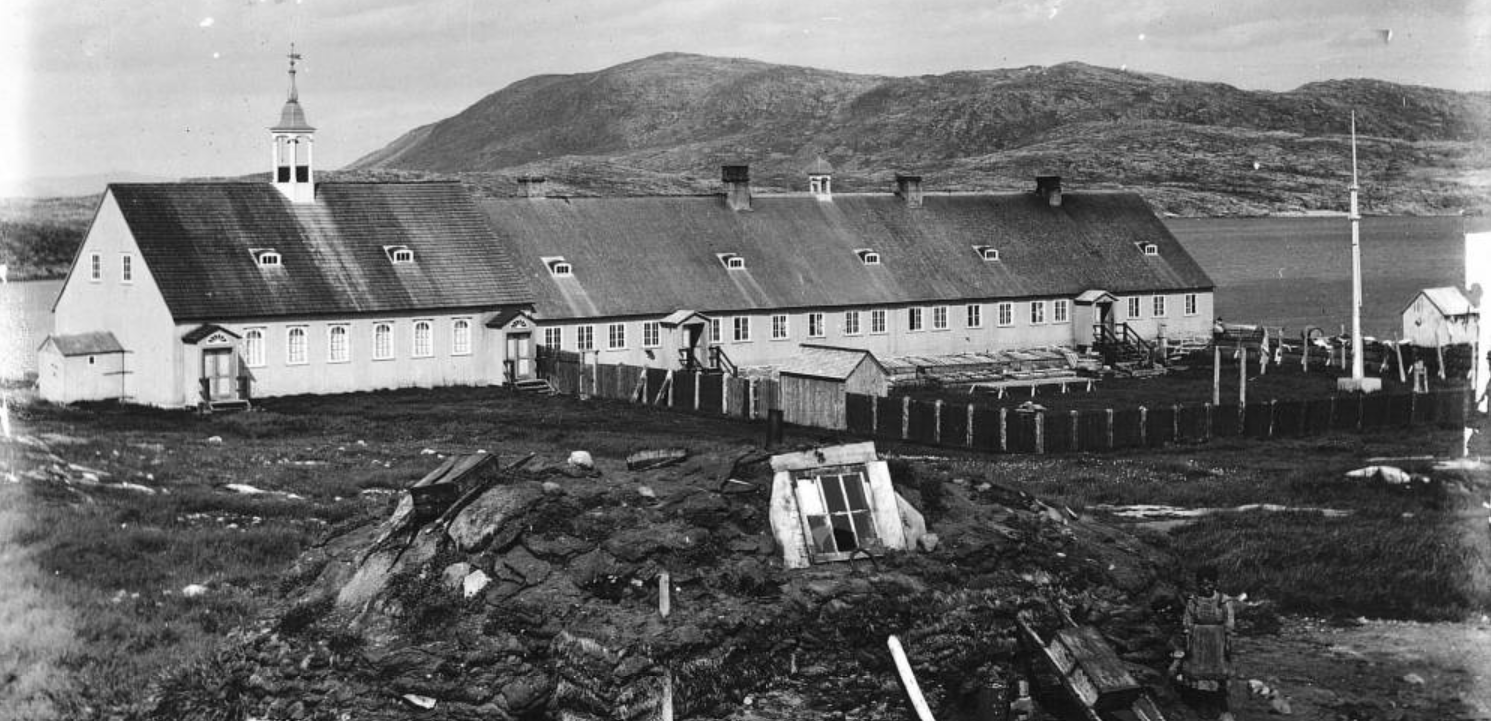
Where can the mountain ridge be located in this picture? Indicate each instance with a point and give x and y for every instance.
(1192, 148)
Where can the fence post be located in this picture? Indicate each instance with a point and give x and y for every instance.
(1108, 432)
(1175, 424)
(1330, 416)
(968, 441)
(1271, 415)
(1206, 431)
(874, 415)
(905, 417)
(1076, 443)
(1040, 432)
(697, 377)
(1143, 426)
(937, 422)
(1361, 409)
(1004, 430)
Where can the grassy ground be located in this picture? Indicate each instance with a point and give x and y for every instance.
(98, 607)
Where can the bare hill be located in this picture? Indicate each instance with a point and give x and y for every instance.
(1193, 148)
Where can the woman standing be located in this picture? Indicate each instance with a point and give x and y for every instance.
(1209, 622)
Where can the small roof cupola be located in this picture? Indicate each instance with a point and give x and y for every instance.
(292, 140)
(820, 179)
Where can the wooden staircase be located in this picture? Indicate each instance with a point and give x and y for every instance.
(1122, 348)
(535, 386)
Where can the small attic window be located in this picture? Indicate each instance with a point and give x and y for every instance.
(1148, 248)
(399, 253)
(732, 261)
(987, 252)
(266, 257)
(869, 257)
(559, 267)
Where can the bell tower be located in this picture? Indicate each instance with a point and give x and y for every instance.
(292, 142)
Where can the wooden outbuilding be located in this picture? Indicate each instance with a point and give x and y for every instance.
(81, 367)
(1439, 317)
(813, 384)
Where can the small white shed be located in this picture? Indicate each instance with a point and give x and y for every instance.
(81, 367)
(1440, 316)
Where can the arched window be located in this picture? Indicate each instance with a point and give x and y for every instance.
(382, 341)
(460, 337)
(424, 346)
(295, 350)
(337, 350)
(253, 347)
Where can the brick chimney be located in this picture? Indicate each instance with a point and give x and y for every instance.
(1049, 187)
(737, 179)
(531, 186)
(909, 189)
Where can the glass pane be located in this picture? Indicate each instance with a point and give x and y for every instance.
(820, 535)
(833, 492)
(807, 498)
(864, 526)
(844, 533)
(854, 485)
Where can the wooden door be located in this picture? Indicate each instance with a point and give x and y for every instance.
(520, 353)
(217, 371)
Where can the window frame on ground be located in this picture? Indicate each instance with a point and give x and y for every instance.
(338, 343)
(779, 329)
(460, 336)
(382, 341)
(423, 343)
(254, 348)
(878, 324)
(815, 325)
(836, 504)
(297, 345)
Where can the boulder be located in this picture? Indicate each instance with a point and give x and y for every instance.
(581, 459)
(486, 520)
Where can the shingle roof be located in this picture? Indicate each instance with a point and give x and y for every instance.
(196, 240)
(821, 361)
(655, 255)
(1449, 300)
(85, 343)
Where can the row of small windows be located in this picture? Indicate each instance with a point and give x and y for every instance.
(560, 268)
(271, 258)
(126, 267)
(339, 345)
(1041, 312)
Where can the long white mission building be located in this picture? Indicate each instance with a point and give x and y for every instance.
(205, 294)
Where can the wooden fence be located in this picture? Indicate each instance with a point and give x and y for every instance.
(1001, 430)
(748, 398)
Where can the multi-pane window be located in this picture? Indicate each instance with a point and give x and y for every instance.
(553, 337)
(778, 326)
(877, 321)
(913, 319)
(585, 337)
(939, 318)
(460, 337)
(851, 322)
(1159, 306)
(1037, 312)
(1134, 307)
(836, 507)
(615, 336)
(815, 325)
(126, 268)
(295, 350)
(716, 334)
(424, 341)
(382, 341)
(975, 316)
(95, 266)
(1006, 313)
(253, 347)
(652, 334)
(742, 326)
(1061, 311)
(337, 350)
(1190, 304)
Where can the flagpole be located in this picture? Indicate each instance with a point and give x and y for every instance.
(1358, 380)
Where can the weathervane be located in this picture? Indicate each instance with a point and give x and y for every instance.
(293, 57)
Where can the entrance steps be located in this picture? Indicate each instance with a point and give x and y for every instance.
(535, 386)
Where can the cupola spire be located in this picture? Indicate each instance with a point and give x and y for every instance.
(292, 138)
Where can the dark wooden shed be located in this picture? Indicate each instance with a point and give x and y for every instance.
(813, 384)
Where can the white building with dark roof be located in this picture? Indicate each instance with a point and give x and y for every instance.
(222, 292)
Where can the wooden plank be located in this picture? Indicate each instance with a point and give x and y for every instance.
(1098, 661)
(438, 473)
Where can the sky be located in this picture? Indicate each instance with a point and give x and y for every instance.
(188, 88)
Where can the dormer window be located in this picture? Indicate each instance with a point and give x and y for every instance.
(559, 267)
(732, 261)
(1148, 248)
(399, 254)
(867, 256)
(266, 257)
(987, 252)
